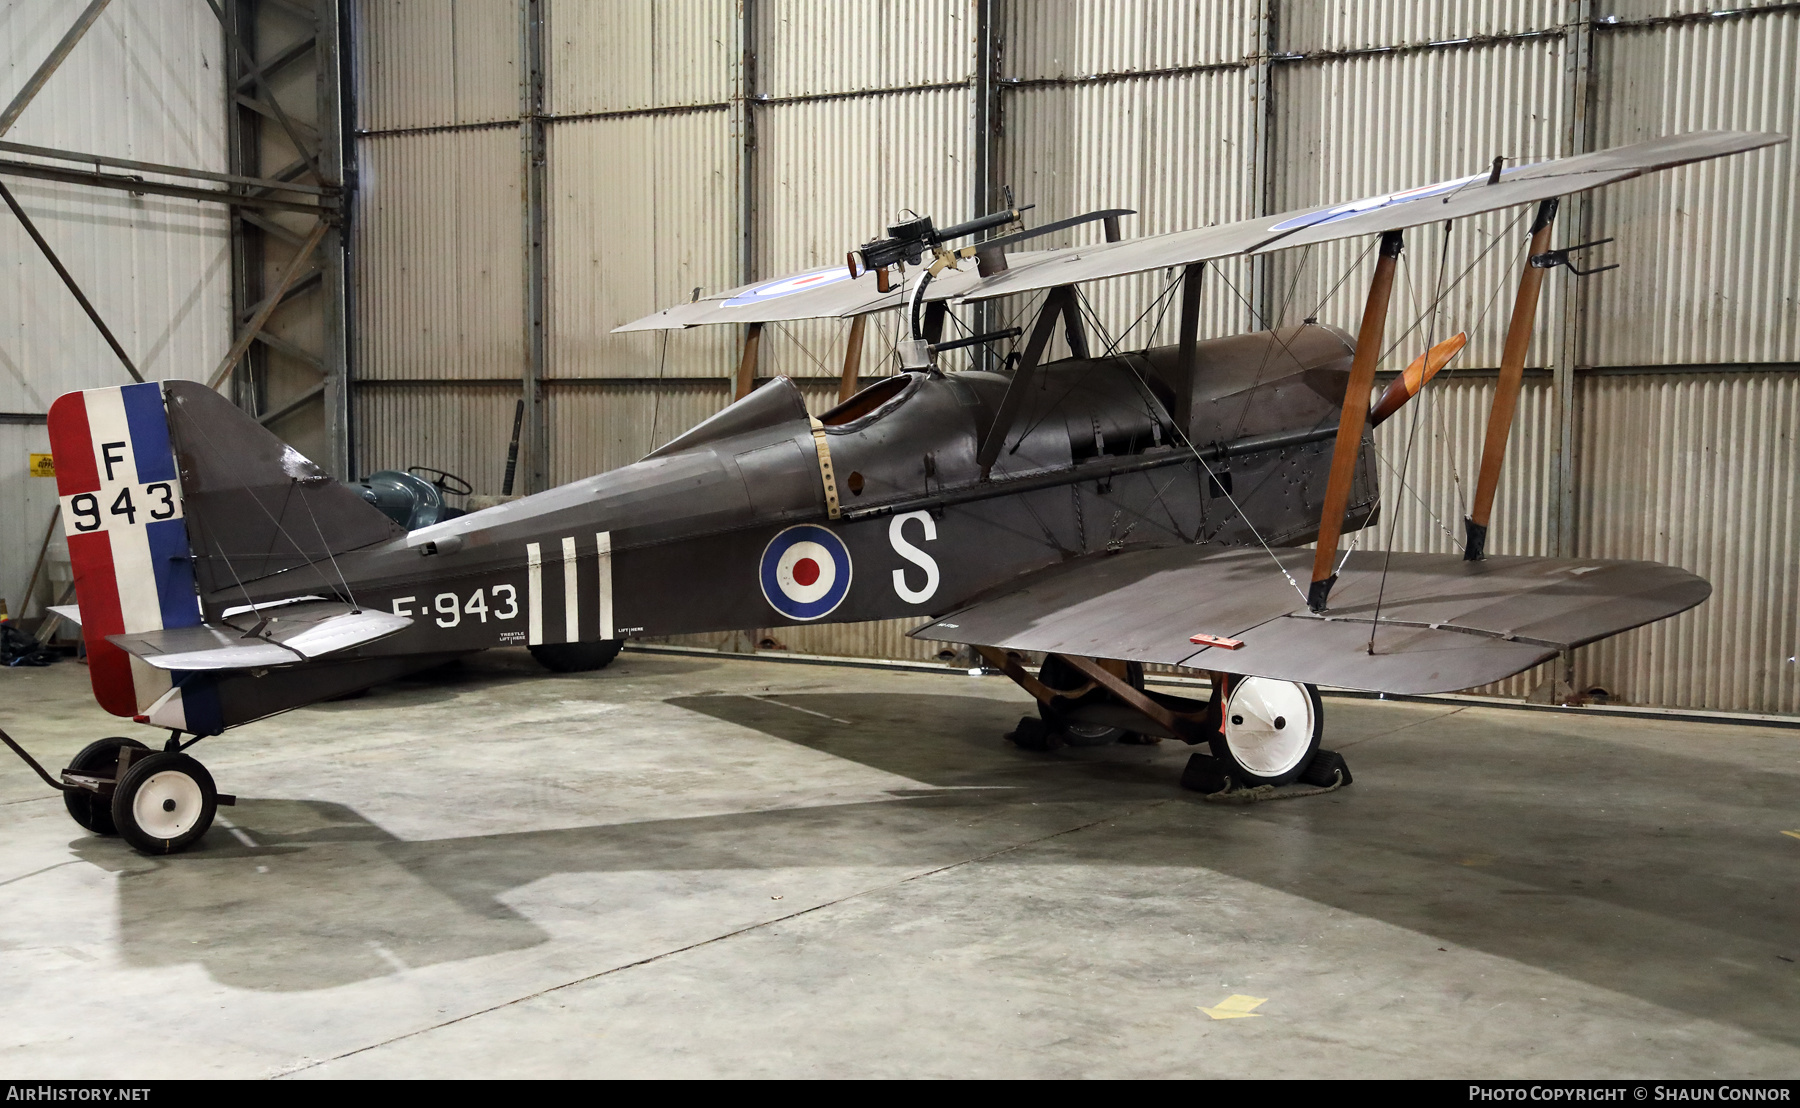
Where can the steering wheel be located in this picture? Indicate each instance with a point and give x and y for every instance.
(445, 482)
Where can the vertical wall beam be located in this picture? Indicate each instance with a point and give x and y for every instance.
(335, 129)
(1569, 335)
(984, 141)
(531, 135)
(1260, 170)
(743, 134)
(244, 154)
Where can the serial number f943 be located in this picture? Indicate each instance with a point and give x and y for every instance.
(449, 609)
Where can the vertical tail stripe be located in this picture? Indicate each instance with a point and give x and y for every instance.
(534, 593)
(148, 426)
(72, 446)
(97, 592)
(603, 540)
(571, 594)
(174, 570)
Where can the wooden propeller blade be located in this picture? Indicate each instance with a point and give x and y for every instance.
(1424, 368)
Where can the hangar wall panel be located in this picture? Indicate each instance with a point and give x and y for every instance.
(615, 57)
(436, 63)
(462, 428)
(1330, 25)
(831, 175)
(1710, 253)
(597, 427)
(814, 47)
(1502, 99)
(1699, 470)
(1173, 148)
(641, 213)
(1051, 39)
(144, 83)
(439, 271)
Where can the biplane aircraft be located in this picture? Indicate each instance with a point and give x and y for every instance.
(1105, 510)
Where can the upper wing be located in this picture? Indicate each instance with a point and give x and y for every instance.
(1445, 624)
(830, 292)
(1393, 211)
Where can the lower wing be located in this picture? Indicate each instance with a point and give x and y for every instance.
(1401, 623)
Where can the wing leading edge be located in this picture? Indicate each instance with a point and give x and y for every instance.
(1445, 624)
(828, 292)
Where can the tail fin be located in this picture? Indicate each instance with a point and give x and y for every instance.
(255, 505)
(148, 538)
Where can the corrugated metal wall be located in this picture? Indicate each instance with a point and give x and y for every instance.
(664, 142)
(145, 83)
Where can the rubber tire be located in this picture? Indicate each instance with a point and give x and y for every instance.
(92, 812)
(140, 772)
(576, 657)
(1035, 734)
(1222, 749)
(1058, 674)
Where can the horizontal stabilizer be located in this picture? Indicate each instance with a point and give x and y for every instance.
(278, 636)
(1444, 624)
(70, 612)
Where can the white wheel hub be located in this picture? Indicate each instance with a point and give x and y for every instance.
(168, 804)
(1269, 725)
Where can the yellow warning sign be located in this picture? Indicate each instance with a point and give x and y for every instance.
(1236, 1007)
(42, 466)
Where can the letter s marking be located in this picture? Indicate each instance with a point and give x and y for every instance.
(897, 537)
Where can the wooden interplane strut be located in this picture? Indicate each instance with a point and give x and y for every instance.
(853, 352)
(1506, 393)
(746, 374)
(1352, 419)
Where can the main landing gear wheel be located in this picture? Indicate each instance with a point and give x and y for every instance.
(1270, 731)
(1059, 674)
(576, 657)
(100, 759)
(164, 803)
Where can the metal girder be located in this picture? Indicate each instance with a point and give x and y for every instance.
(33, 86)
(69, 282)
(171, 170)
(121, 183)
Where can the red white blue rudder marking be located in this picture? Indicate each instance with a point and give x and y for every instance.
(128, 546)
(805, 572)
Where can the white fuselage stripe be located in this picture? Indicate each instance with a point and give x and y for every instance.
(603, 540)
(534, 592)
(571, 606)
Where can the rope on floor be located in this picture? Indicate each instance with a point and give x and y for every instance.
(1271, 792)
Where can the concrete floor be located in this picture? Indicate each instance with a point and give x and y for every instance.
(698, 866)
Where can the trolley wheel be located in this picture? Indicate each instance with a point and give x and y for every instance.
(1270, 731)
(164, 803)
(100, 758)
(1059, 674)
(576, 657)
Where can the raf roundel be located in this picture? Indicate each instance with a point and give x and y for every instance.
(805, 572)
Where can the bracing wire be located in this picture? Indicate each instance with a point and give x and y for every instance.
(662, 361)
(1412, 433)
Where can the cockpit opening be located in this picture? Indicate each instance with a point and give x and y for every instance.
(868, 400)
